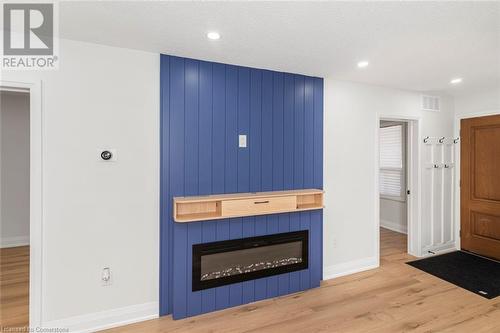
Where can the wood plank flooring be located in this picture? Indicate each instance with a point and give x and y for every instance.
(14, 287)
(393, 298)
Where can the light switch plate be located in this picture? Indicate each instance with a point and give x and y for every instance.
(242, 141)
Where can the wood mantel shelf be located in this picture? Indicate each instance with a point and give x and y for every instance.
(222, 206)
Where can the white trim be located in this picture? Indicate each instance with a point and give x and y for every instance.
(458, 118)
(351, 267)
(102, 320)
(413, 182)
(14, 241)
(15, 89)
(36, 195)
(402, 229)
(376, 192)
(438, 249)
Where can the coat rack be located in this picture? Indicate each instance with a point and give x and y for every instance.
(440, 140)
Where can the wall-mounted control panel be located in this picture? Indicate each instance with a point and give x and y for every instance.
(107, 155)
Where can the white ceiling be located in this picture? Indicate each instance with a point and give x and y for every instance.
(410, 45)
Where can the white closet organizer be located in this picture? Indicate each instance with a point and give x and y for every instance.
(438, 157)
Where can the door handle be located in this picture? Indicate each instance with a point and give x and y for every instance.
(261, 202)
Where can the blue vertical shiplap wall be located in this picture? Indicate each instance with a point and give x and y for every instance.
(204, 107)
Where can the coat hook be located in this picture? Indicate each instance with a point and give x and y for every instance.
(441, 140)
(436, 166)
(456, 140)
(446, 166)
(426, 139)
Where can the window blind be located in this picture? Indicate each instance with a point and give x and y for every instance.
(391, 161)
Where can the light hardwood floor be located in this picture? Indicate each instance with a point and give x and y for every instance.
(14, 287)
(393, 298)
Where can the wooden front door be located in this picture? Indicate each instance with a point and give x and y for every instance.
(480, 185)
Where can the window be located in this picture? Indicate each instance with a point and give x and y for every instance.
(392, 184)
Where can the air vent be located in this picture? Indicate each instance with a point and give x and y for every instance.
(431, 103)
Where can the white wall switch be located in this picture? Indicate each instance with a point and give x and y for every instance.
(242, 141)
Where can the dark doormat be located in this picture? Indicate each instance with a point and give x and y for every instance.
(468, 271)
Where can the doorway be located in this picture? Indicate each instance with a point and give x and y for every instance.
(480, 186)
(14, 207)
(393, 187)
(32, 313)
(398, 184)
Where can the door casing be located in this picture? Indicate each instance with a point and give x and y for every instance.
(36, 195)
(413, 177)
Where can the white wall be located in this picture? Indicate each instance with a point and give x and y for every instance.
(14, 169)
(99, 214)
(393, 215)
(480, 102)
(350, 166)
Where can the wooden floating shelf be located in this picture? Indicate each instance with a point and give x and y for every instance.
(222, 206)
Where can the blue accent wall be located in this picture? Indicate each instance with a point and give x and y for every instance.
(204, 107)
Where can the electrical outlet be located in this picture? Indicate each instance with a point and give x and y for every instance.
(106, 276)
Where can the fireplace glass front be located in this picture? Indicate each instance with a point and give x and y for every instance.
(221, 263)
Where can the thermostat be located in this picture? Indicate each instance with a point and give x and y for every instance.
(106, 155)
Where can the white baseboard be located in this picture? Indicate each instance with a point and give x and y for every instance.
(14, 241)
(438, 249)
(97, 321)
(402, 229)
(351, 267)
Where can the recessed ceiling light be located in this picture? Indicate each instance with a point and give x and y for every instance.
(213, 35)
(456, 81)
(363, 64)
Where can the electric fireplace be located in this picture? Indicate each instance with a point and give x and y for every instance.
(226, 262)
